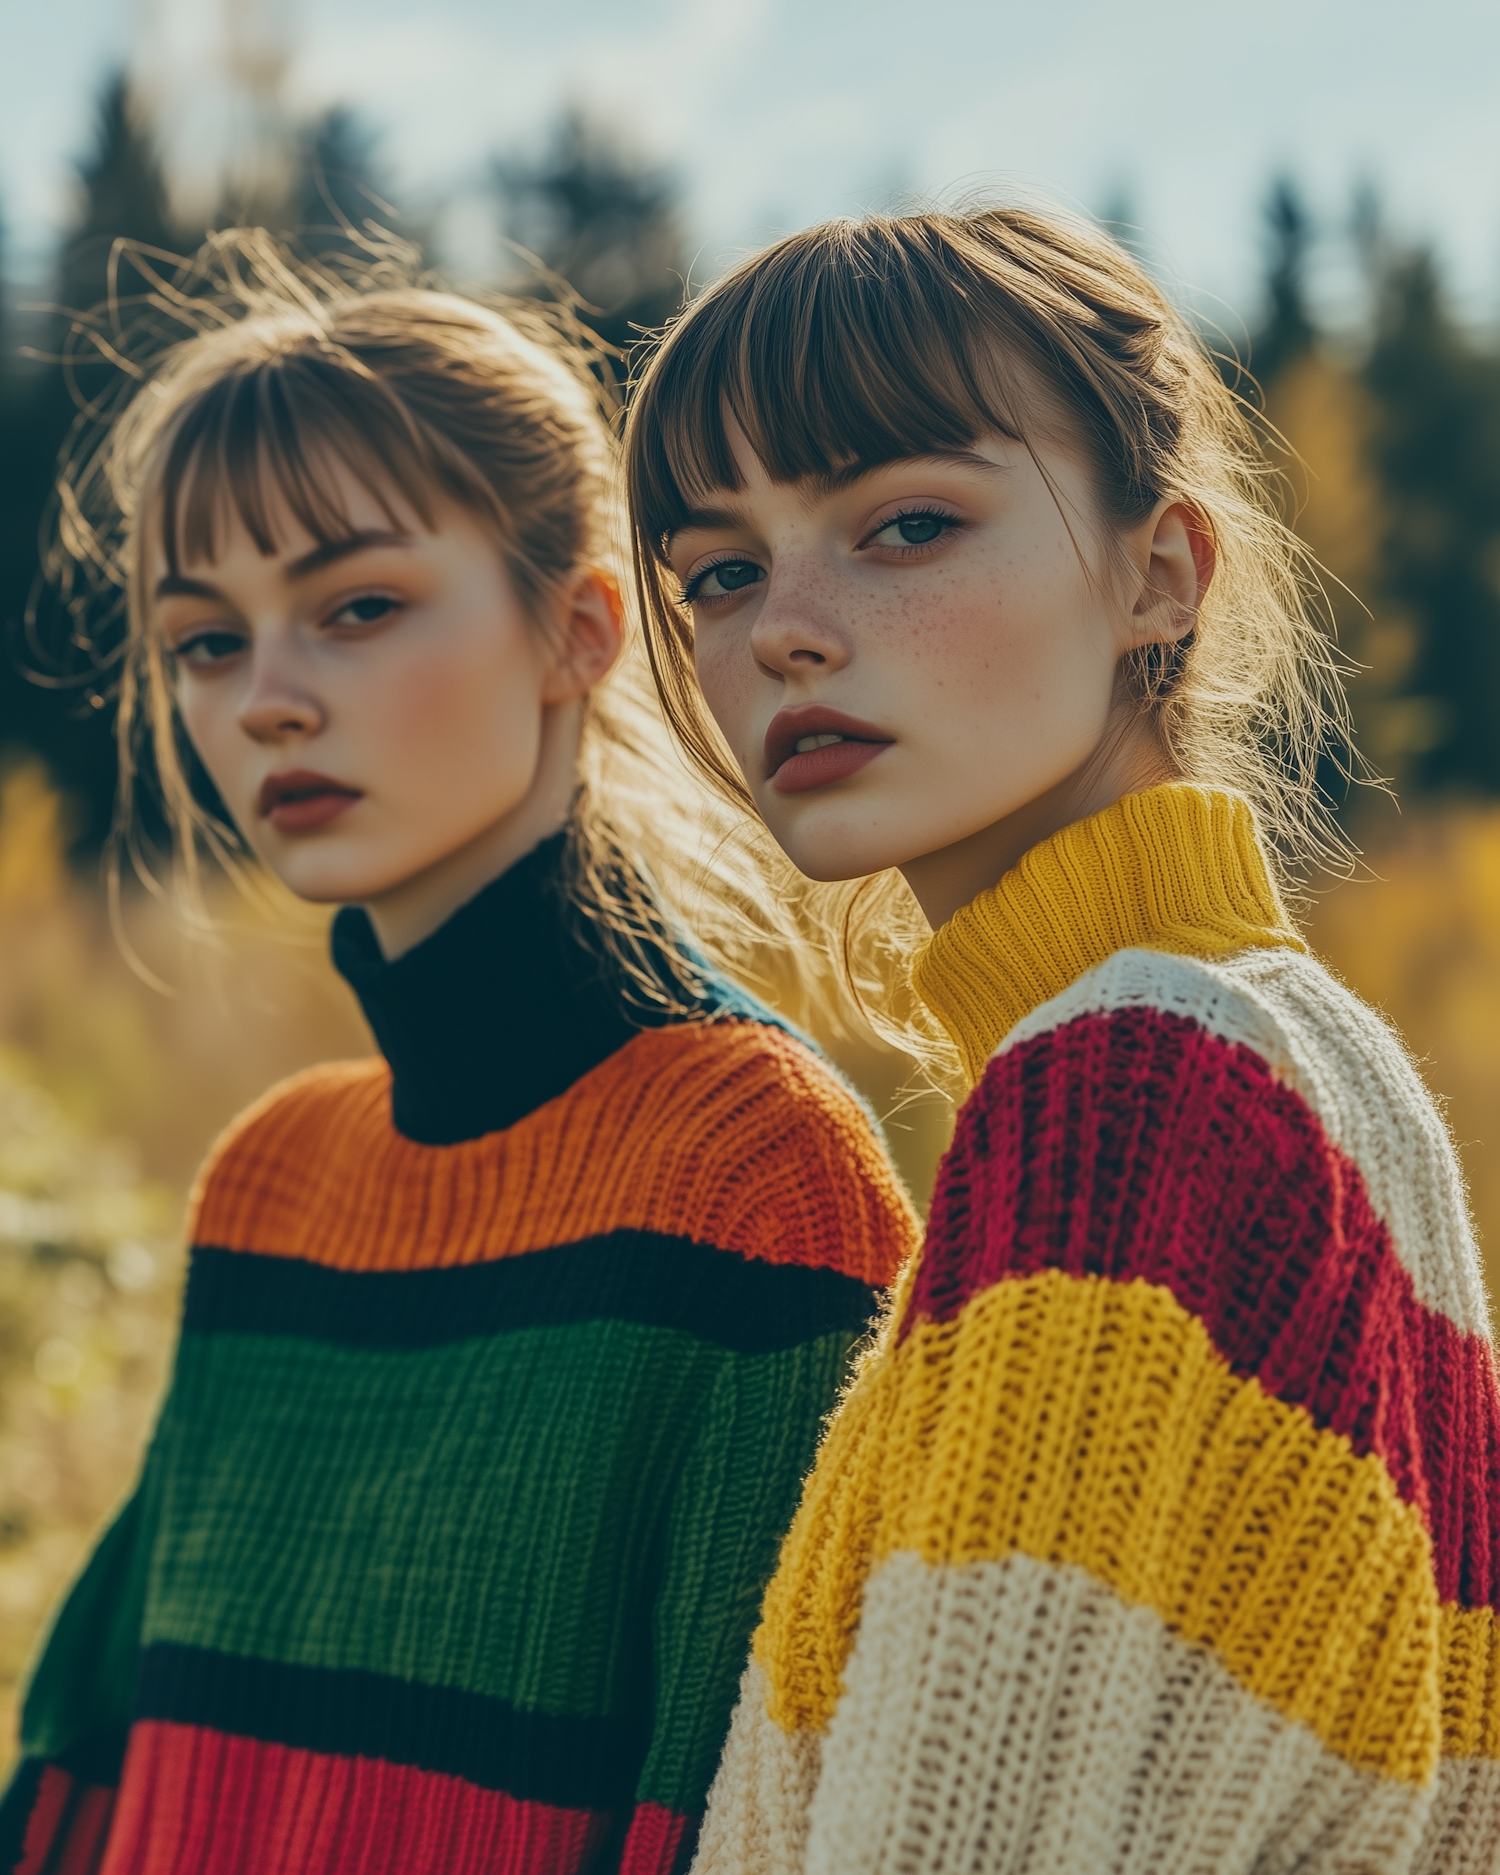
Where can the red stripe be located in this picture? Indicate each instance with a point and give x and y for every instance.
(1138, 1145)
(67, 1827)
(84, 1850)
(660, 1841)
(198, 1802)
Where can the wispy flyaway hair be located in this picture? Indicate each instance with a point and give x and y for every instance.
(252, 373)
(862, 342)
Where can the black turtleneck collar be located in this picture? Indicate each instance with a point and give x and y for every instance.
(499, 1011)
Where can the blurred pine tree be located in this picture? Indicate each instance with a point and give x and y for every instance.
(605, 222)
(1286, 331)
(1392, 477)
(1436, 445)
(48, 701)
(340, 198)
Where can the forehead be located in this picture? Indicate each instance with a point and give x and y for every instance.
(249, 457)
(822, 398)
(992, 455)
(280, 529)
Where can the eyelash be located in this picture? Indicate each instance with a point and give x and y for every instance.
(949, 521)
(183, 648)
(692, 587)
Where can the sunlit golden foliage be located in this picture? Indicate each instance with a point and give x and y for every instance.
(1420, 939)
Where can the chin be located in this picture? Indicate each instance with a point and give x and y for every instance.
(831, 855)
(338, 885)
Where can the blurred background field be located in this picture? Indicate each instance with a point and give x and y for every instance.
(1379, 401)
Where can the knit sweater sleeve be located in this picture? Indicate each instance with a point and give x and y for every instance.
(56, 1810)
(819, 1226)
(753, 1442)
(1163, 1532)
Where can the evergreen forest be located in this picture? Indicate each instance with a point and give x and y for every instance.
(1386, 437)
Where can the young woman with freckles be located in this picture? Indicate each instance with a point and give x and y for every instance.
(1161, 1529)
(503, 1354)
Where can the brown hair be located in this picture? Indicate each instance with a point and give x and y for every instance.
(271, 368)
(863, 342)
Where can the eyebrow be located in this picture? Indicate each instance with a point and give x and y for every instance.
(179, 586)
(935, 458)
(710, 518)
(839, 479)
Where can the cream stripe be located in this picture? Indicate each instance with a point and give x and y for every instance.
(1463, 1832)
(761, 1800)
(1018, 1716)
(1349, 1067)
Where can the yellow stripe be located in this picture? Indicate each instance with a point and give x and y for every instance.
(1471, 1682)
(1082, 1421)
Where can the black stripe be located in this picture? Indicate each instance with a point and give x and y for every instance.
(578, 1764)
(634, 1276)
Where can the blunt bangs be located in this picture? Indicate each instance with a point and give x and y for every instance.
(849, 347)
(268, 435)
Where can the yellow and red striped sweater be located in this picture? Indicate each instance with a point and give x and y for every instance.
(1162, 1529)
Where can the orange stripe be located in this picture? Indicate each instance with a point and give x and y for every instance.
(733, 1134)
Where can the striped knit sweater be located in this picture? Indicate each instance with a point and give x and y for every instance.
(1161, 1531)
(500, 1369)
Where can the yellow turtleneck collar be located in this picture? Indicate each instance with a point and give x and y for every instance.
(1175, 868)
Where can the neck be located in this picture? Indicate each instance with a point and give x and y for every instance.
(1177, 868)
(1124, 763)
(412, 910)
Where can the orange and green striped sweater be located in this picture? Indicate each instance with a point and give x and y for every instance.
(502, 1360)
(1160, 1534)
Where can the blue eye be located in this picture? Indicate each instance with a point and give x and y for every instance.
(722, 580)
(368, 609)
(918, 529)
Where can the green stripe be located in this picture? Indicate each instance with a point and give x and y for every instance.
(490, 1516)
(735, 1499)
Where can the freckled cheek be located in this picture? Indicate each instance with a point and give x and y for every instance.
(726, 676)
(953, 631)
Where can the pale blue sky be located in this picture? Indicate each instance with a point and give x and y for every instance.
(779, 112)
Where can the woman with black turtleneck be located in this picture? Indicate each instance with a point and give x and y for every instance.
(504, 1354)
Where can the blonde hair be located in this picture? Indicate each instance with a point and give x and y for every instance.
(250, 371)
(868, 341)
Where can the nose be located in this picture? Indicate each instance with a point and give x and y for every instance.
(794, 633)
(278, 707)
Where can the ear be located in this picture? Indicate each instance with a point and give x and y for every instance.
(590, 627)
(1180, 559)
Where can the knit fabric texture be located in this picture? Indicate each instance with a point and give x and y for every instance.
(1161, 1529)
(450, 1540)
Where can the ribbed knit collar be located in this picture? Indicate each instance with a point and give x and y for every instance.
(1174, 868)
(500, 1010)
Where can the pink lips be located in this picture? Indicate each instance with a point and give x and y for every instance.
(791, 773)
(299, 799)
